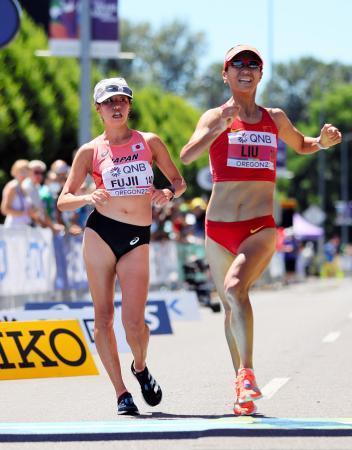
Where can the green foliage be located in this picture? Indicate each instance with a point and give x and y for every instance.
(39, 106)
(210, 91)
(173, 120)
(167, 57)
(333, 106)
(38, 100)
(296, 84)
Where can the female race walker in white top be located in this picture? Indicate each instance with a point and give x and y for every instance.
(242, 137)
(117, 234)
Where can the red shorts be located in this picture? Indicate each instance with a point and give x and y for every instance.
(231, 234)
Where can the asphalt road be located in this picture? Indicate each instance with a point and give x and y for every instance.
(302, 361)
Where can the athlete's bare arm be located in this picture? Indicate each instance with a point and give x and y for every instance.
(212, 123)
(81, 167)
(164, 162)
(329, 134)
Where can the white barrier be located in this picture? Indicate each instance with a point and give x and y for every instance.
(27, 261)
(33, 262)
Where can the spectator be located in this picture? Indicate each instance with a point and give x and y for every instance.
(331, 248)
(56, 179)
(32, 185)
(290, 249)
(16, 205)
(304, 259)
(330, 267)
(198, 207)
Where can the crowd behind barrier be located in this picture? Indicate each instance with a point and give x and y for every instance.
(33, 260)
(35, 263)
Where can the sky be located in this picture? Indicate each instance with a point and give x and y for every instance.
(318, 28)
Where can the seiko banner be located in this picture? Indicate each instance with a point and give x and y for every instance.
(64, 28)
(44, 348)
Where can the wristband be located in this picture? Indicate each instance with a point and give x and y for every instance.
(319, 144)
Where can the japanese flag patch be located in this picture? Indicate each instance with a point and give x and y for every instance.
(138, 147)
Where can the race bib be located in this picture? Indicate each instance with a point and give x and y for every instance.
(251, 150)
(128, 179)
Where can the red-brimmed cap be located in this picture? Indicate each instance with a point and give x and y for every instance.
(239, 49)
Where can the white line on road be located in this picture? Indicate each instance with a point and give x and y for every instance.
(331, 337)
(273, 386)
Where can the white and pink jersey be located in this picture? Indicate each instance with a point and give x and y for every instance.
(125, 169)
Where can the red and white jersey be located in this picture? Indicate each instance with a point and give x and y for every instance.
(123, 169)
(245, 152)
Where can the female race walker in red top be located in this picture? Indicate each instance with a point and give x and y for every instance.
(240, 227)
(117, 234)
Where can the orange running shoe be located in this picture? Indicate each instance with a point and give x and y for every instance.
(246, 386)
(244, 409)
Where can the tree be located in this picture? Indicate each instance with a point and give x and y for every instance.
(209, 90)
(336, 105)
(39, 106)
(294, 85)
(167, 57)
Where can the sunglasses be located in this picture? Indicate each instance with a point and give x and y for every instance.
(113, 88)
(241, 63)
(38, 172)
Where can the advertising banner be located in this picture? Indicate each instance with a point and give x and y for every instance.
(181, 306)
(42, 349)
(156, 317)
(64, 29)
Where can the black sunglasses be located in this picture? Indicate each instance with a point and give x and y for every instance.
(114, 88)
(250, 64)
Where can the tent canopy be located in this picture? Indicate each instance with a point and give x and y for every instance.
(303, 229)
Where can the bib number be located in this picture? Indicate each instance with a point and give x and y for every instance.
(128, 179)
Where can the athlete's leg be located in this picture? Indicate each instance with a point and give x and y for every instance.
(133, 273)
(254, 254)
(99, 259)
(220, 261)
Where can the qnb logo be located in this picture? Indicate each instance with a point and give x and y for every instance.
(115, 172)
(134, 240)
(242, 138)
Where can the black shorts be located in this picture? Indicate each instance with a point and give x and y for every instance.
(121, 237)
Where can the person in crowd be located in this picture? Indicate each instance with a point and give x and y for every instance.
(198, 208)
(117, 233)
(32, 186)
(290, 249)
(59, 171)
(304, 260)
(240, 228)
(16, 204)
(330, 266)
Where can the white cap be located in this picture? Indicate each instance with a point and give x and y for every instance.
(109, 87)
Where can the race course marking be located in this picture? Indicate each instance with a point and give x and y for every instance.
(331, 337)
(270, 389)
(142, 428)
